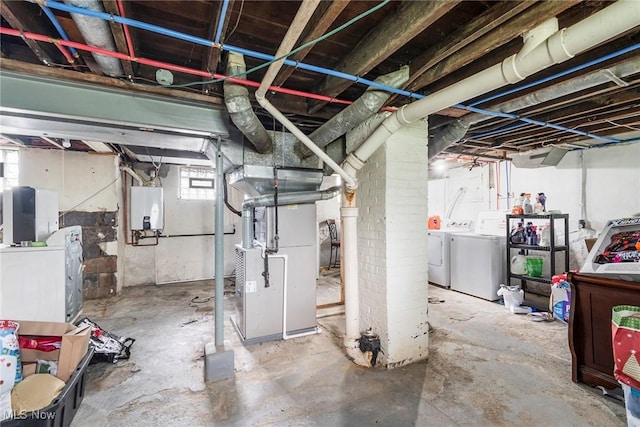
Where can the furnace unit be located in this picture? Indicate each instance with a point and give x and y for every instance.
(276, 263)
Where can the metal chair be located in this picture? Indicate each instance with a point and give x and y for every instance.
(334, 260)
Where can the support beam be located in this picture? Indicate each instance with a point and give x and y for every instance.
(59, 73)
(401, 26)
(527, 20)
(319, 24)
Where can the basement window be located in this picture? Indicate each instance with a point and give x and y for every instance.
(8, 168)
(197, 183)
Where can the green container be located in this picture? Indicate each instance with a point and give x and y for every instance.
(534, 266)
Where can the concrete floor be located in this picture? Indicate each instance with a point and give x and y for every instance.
(486, 367)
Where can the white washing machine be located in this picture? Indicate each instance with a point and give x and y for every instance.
(438, 253)
(478, 259)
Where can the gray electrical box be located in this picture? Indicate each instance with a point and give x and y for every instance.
(147, 208)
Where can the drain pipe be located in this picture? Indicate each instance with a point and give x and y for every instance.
(133, 174)
(363, 108)
(348, 213)
(296, 28)
(444, 137)
(618, 18)
(97, 33)
(236, 98)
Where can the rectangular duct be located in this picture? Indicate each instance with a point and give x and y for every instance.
(550, 156)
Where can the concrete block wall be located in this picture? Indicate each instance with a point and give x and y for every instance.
(392, 239)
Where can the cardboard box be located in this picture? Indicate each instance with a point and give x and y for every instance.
(75, 343)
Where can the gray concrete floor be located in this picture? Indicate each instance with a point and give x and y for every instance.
(486, 367)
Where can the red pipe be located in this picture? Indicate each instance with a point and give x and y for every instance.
(186, 70)
(66, 54)
(127, 35)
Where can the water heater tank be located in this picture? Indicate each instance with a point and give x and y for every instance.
(147, 211)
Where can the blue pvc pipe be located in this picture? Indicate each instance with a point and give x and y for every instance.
(225, 5)
(321, 70)
(560, 74)
(59, 28)
(537, 122)
(126, 21)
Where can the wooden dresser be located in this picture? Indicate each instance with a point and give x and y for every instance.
(592, 299)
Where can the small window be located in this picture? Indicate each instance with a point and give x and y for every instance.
(8, 168)
(197, 183)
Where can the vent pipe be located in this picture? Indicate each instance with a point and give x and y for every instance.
(363, 108)
(236, 98)
(444, 137)
(96, 32)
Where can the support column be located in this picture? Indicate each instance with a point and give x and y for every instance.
(393, 246)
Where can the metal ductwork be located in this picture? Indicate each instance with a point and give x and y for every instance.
(363, 108)
(283, 200)
(448, 135)
(96, 32)
(236, 97)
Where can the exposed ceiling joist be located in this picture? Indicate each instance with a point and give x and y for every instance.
(399, 27)
(325, 15)
(483, 24)
(212, 54)
(513, 28)
(111, 6)
(20, 16)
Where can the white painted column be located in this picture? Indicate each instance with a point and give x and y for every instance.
(392, 240)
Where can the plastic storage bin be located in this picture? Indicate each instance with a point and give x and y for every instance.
(62, 410)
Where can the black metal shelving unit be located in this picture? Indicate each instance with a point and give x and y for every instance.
(552, 248)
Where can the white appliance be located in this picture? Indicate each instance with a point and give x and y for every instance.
(478, 259)
(147, 208)
(438, 252)
(43, 283)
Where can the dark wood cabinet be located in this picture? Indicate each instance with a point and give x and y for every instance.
(592, 299)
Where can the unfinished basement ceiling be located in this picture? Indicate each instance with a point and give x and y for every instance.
(595, 96)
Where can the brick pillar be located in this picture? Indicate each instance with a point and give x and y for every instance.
(392, 239)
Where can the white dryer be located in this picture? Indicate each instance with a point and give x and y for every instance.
(477, 259)
(438, 252)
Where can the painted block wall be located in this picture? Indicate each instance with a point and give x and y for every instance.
(392, 239)
(178, 259)
(612, 182)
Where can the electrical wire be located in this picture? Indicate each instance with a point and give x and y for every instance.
(90, 197)
(237, 21)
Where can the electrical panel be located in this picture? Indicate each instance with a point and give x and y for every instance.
(147, 208)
